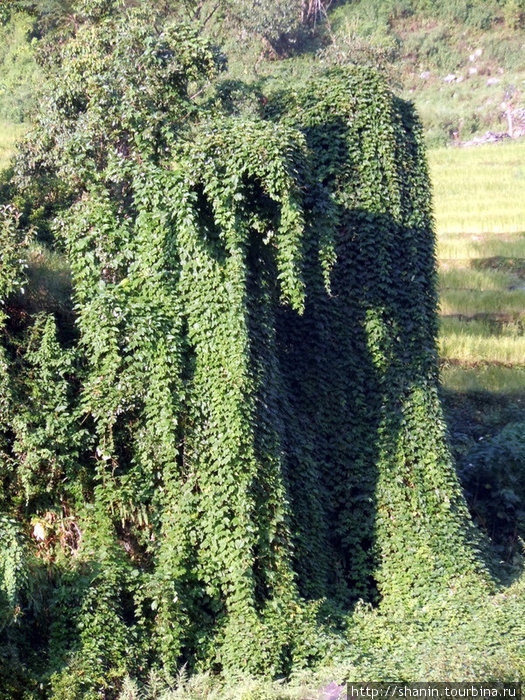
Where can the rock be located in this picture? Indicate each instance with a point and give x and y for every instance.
(425, 75)
(489, 137)
(493, 81)
(450, 78)
(472, 70)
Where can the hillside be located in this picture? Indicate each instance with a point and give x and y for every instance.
(458, 61)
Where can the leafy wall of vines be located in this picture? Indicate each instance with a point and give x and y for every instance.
(241, 431)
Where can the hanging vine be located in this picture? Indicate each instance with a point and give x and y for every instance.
(244, 421)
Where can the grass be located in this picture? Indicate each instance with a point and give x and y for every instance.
(480, 246)
(479, 190)
(480, 216)
(470, 302)
(481, 280)
(470, 348)
(9, 133)
(483, 328)
(493, 379)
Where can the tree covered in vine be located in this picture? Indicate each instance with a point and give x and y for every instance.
(235, 434)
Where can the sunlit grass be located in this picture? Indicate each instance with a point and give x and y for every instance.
(469, 302)
(482, 341)
(481, 246)
(496, 379)
(469, 278)
(479, 189)
(484, 328)
(9, 133)
(471, 349)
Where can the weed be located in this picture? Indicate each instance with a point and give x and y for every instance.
(470, 302)
(470, 348)
(482, 280)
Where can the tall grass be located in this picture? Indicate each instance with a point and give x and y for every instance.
(478, 246)
(484, 328)
(479, 189)
(473, 349)
(482, 280)
(496, 379)
(468, 302)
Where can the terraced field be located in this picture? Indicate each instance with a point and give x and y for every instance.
(479, 200)
(479, 190)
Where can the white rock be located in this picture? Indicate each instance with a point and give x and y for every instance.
(450, 78)
(472, 70)
(493, 81)
(39, 532)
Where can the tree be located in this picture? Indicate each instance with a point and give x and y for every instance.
(243, 421)
(280, 25)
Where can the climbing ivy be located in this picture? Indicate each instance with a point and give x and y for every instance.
(241, 434)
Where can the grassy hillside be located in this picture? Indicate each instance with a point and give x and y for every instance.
(458, 60)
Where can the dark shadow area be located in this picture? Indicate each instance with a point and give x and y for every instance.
(209, 229)
(487, 438)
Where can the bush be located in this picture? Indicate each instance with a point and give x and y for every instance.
(493, 476)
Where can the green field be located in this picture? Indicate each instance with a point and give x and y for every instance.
(479, 202)
(479, 189)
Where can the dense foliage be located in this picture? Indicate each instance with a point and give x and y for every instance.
(235, 433)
